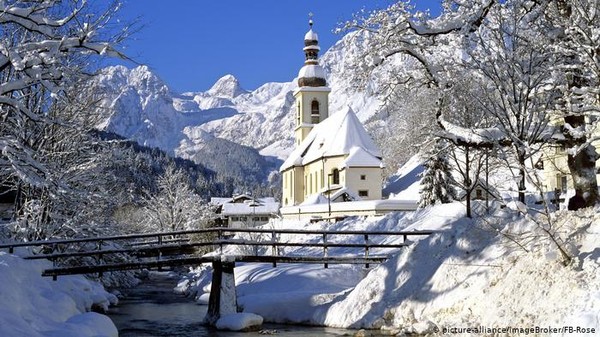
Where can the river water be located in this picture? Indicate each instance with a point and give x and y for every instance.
(152, 309)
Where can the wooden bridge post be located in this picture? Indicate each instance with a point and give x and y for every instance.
(366, 249)
(159, 239)
(274, 247)
(326, 265)
(100, 258)
(223, 299)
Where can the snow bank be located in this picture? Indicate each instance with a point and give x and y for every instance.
(35, 306)
(466, 275)
(469, 276)
(406, 183)
(290, 292)
(239, 322)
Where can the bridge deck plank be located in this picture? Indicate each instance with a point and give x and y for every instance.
(205, 259)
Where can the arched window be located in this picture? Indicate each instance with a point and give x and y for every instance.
(315, 116)
(336, 176)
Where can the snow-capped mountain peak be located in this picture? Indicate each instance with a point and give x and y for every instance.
(226, 86)
(142, 108)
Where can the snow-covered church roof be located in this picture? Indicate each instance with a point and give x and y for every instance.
(340, 134)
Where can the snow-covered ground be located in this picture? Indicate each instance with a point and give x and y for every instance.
(469, 274)
(33, 306)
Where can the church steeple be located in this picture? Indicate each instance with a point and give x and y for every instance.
(312, 101)
(312, 74)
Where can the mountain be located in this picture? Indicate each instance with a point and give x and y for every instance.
(226, 121)
(226, 86)
(139, 106)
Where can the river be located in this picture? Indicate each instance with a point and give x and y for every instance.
(152, 309)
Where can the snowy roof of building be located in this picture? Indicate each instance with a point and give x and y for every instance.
(219, 200)
(358, 157)
(337, 195)
(258, 206)
(240, 198)
(311, 70)
(336, 136)
(311, 36)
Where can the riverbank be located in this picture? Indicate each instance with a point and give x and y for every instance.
(152, 309)
(36, 306)
(468, 274)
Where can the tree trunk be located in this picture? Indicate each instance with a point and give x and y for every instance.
(521, 158)
(522, 183)
(468, 182)
(583, 171)
(582, 165)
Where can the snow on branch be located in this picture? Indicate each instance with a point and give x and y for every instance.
(458, 22)
(475, 137)
(32, 18)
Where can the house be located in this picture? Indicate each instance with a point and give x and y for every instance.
(333, 152)
(556, 173)
(244, 211)
(481, 191)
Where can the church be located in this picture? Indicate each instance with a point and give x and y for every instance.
(334, 160)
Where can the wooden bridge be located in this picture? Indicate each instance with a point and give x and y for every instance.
(188, 248)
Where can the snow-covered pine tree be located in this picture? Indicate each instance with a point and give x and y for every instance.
(436, 183)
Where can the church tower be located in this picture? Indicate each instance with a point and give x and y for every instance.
(312, 95)
(334, 159)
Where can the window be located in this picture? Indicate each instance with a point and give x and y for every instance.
(298, 113)
(479, 194)
(315, 116)
(235, 218)
(264, 218)
(322, 179)
(563, 184)
(243, 218)
(256, 218)
(336, 176)
(305, 188)
(363, 177)
(363, 193)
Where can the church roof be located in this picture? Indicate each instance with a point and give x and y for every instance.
(340, 134)
(311, 70)
(359, 157)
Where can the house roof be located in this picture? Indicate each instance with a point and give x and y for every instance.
(336, 136)
(245, 204)
(250, 207)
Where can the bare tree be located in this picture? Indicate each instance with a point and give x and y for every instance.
(47, 156)
(175, 206)
(509, 48)
(522, 55)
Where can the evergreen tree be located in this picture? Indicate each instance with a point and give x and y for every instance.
(436, 182)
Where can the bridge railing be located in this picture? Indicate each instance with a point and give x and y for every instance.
(324, 243)
(183, 243)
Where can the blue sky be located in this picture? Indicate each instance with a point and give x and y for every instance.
(192, 43)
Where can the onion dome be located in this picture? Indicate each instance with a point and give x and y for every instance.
(311, 74)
